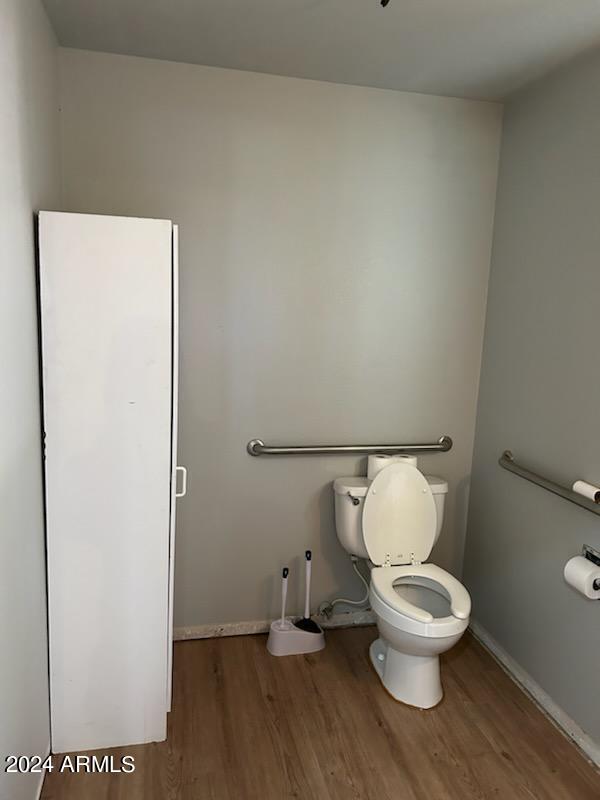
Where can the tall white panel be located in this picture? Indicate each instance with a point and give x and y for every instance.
(174, 469)
(106, 319)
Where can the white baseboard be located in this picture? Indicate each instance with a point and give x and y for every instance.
(563, 722)
(214, 630)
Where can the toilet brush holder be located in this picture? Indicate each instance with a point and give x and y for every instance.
(285, 639)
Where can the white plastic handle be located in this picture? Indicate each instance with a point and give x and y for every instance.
(307, 595)
(284, 582)
(183, 491)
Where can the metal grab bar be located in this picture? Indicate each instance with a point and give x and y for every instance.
(507, 461)
(256, 447)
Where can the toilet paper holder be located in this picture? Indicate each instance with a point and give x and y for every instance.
(594, 556)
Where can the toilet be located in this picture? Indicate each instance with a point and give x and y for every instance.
(393, 522)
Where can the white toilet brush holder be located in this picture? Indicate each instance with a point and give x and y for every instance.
(285, 637)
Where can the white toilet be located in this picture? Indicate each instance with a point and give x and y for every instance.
(393, 521)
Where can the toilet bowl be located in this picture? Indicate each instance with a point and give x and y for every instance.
(421, 610)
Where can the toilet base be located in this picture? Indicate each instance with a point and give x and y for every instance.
(414, 680)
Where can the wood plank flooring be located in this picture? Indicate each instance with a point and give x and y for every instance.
(248, 726)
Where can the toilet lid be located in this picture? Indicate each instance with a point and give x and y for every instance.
(399, 516)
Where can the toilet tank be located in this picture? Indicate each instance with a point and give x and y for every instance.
(350, 496)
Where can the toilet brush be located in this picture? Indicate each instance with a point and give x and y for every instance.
(306, 623)
(284, 582)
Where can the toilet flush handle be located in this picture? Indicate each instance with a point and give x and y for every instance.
(355, 500)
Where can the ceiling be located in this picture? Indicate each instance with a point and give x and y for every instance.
(482, 49)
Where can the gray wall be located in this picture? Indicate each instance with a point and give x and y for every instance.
(540, 389)
(29, 179)
(335, 246)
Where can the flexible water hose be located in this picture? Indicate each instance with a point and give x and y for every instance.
(327, 607)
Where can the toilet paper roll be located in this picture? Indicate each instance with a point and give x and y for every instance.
(587, 490)
(581, 573)
(380, 461)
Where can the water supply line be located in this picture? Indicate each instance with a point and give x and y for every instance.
(326, 608)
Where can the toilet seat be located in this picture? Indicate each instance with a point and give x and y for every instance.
(399, 518)
(400, 613)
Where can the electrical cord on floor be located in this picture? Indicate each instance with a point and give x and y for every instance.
(326, 609)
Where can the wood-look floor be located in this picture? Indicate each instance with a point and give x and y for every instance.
(248, 726)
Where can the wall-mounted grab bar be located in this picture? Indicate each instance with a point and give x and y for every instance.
(256, 447)
(507, 461)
